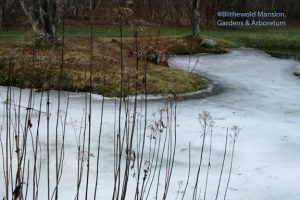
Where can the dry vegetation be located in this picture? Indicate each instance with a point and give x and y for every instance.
(106, 77)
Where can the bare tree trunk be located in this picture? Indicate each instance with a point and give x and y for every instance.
(196, 19)
(1, 18)
(273, 5)
(43, 19)
(7, 7)
(214, 11)
(2, 11)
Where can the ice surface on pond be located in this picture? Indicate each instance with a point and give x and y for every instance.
(259, 94)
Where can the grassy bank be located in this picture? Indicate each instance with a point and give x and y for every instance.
(44, 74)
(155, 42)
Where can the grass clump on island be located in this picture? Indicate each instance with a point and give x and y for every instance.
(106, 77)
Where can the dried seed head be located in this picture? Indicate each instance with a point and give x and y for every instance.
(123, 12)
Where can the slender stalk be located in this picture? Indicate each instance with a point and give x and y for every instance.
(90, 98)
(200, 162)
(223, 164)
(235, 135)
(172, 151)
(189, 172)
(145, 125)
(35, 151)
(209, 164)
(98, 152)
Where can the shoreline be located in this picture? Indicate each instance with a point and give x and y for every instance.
(213, 88)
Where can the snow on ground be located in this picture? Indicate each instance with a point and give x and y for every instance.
(260, 95)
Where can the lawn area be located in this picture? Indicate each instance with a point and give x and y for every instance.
(277, 39)
(79, 31)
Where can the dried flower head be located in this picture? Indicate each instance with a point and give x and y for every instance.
(236, 130)
(123, 12)
(206, 120)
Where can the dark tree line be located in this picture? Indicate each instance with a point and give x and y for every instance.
(8, 9)
(166, 12)
(43, 15)
(170, 12)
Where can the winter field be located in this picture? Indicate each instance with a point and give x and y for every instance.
(259, 94)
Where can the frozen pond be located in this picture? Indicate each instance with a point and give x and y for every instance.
(263, 97)
(259, 94)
